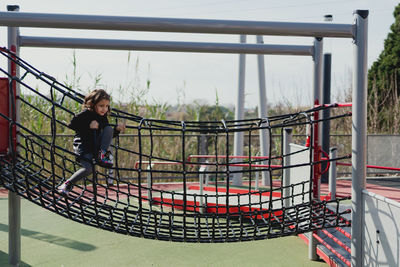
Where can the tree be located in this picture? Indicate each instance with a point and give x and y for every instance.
(384, 85)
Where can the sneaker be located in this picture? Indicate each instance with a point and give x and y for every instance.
(65, 188)
(105, 159)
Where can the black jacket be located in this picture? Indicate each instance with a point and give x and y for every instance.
(86, 139)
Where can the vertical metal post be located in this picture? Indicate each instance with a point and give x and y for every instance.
(317, 86)
(332, 173)
(359, 134)
(14, 201)
(239, 112)
(262, 111)
(317, 73)
(287, 139)
(202, 170)
(149, 184)
(326, 98)
(257, 179)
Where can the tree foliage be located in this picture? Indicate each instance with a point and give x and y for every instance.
(383, 84)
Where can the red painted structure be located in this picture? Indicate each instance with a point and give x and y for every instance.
(8, 110)
(5, 110)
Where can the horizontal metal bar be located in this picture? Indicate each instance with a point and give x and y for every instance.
(43, 20)
(115, 44)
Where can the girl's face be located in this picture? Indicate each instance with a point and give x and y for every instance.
(102, 107)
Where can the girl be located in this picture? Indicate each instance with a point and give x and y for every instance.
(93, 136)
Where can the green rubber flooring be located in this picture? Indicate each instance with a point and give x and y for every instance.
(50, 240)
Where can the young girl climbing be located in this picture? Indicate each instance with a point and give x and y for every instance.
(93, 136)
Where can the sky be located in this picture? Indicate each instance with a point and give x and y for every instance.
(182, 78)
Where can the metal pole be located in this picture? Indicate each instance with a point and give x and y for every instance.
(239, 112)
(326, 98)
(332, 173)
(239, 27)
(287, 139)
(262, 111)
(166, 46)
(359, 135)
(14, 201)
(203, 168)
(317, 85)
(257, 179)
(149, 184)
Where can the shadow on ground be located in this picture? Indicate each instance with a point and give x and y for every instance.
(57, 240)
(4, 260)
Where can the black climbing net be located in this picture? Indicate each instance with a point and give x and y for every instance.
(158, 187)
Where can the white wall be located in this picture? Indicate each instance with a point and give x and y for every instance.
(381, 231)
(299, 174)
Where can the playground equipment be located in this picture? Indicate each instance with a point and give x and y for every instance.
(35, 166)
(380, 226)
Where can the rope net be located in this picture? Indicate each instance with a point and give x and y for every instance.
(157, 187)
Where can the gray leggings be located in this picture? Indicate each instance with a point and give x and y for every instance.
(87, 159)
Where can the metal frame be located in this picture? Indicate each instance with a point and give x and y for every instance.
(262, 112)
(356, 31)
(359, 136)
(316, 53)
(317, 99)
(14, 200)
(287, 140)
(238, 140)
(170, 46)
(91, 22)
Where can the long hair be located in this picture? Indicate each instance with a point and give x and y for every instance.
(95, 97)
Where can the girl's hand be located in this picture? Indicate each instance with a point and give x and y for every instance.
(94, 125)
(121, 127)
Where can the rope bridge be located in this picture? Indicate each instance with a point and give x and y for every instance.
(162, 200)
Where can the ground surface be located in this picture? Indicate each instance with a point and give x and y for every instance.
(50, 240)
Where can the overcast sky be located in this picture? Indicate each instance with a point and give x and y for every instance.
(185, 77)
